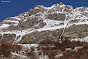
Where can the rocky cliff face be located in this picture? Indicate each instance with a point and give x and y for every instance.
(41, 23)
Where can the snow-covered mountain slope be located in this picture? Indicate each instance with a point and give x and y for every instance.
(46, 23)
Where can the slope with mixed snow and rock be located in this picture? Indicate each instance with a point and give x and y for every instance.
(42, 23)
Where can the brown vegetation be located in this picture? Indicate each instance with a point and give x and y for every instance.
(6, 49)
(60, 48)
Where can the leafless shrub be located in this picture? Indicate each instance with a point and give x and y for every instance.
(81, 53)
(6, 49)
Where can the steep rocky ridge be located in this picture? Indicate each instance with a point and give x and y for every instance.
(42, 23)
